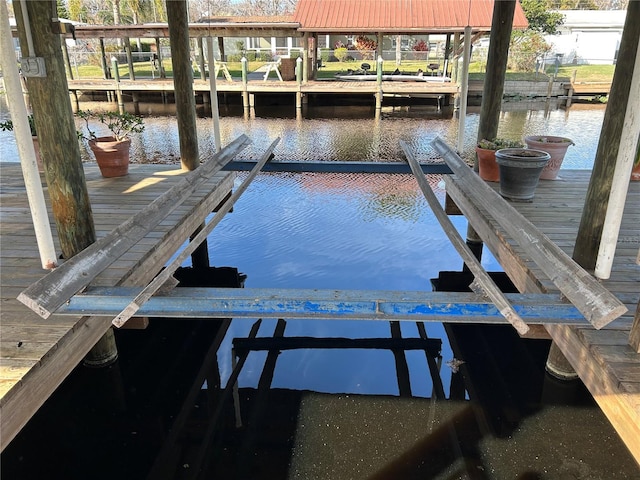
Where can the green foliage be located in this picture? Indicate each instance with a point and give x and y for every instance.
(524, 48)
(341, 54)
(8, 125)
(498, 143)
(120, 124)
(540, 18)
(62, 9)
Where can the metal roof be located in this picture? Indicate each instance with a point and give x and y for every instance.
(398, 16)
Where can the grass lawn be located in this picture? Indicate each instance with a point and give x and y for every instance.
(584, 73)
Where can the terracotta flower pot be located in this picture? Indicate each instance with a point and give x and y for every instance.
(520, 170)
(487, 165)
(112, 155)
(635, 173)
(554, 146)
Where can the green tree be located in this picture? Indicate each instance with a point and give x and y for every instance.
(540, 18)
(62, 9)
(524, 50)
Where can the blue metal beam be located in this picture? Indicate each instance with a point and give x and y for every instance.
(324, 304)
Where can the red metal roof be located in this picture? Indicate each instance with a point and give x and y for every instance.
(400, 16)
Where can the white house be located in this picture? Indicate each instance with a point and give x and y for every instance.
(589, 36)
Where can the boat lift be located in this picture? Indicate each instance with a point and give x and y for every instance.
(67, 290)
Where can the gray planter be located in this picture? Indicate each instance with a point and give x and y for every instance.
(520, 170)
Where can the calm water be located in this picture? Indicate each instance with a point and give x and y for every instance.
(329, 414)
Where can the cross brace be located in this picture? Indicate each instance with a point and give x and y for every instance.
(323, 304)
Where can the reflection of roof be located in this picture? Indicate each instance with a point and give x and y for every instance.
(400, 16)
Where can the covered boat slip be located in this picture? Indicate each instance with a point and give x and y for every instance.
(63, 290)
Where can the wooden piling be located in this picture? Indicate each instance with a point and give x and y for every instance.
(597, 200)
(53, 115)
(183, 83)
(558, 365)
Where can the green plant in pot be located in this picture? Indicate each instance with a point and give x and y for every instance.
(8, 126)
(111, 151)
(486, 152)
(554, 146)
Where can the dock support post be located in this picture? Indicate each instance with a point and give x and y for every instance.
(185, 103)
(558, 365)
(103, 60)
(305, 53)
(54, 122)
(570, 92)
(65, 54)
(599, 190)
(103, 353)
(245, 92)
(163, 74)
(299, 80)
(201, 65)
(127, 49)
(116, 76)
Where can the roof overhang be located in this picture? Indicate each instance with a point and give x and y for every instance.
(196, 30)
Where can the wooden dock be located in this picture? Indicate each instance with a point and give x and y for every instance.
(329, 87)
(36, 354)
(606, 364)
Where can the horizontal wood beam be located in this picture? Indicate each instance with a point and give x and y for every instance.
(599, 306)
(323, 304)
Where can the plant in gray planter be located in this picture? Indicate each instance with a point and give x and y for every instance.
(486, 152)
(554, 146)
(520, 170)
(112, 151)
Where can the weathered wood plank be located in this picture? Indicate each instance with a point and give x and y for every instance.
(169, 270)
(54, 289)
(597, 303)
(482, 282)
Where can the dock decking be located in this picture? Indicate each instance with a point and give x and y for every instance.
(36, 354)
(606, 364)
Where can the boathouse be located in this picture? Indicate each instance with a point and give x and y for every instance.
(578, 283)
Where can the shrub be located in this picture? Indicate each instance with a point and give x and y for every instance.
(421, 46)
(341, 54)
(366, 47)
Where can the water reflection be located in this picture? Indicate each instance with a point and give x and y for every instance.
(352, 133)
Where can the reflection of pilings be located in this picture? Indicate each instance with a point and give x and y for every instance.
(402, 369)
(432, 346)
(245, 452)
(202, 459)
(434, 368)
(164, 462)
